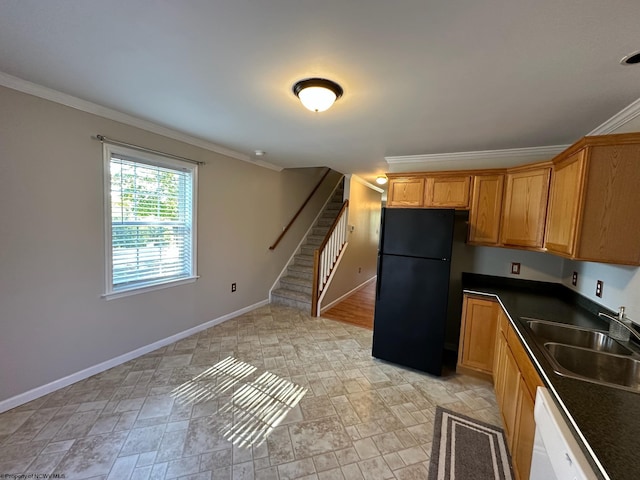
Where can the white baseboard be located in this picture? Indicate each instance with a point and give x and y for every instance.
(37, 392)
(349, 293)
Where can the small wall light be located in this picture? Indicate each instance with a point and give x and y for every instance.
(381, 179)
(317, 94)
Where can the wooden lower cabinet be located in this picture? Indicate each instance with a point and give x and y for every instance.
(488, 343)
(516, 381)
(523, 433)
(477, 336)
(510, 388)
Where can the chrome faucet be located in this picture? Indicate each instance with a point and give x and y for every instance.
(619, 320)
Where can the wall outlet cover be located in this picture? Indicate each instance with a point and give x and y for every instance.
(574, 279)
(515, 268)
(599, 286)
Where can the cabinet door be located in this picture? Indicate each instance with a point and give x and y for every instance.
(447, 192)
(486, 206)
(478, 329)
(498, 356)
(565, 196)
(499, 368)
(525, 208)
(406, 192)
(511, 389)
(611, 210)
(524, 434)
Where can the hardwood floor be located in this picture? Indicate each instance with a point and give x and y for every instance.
(356, 309)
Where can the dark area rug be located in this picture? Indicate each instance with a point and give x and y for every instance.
(467, 449)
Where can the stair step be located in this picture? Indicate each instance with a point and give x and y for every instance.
(322, 231)
(292, 294)
(308, 249)
(325, 221)
(315, 239)
(296, 284)
(291, 298)
(304, 260)
(300, 271)
(331, 212)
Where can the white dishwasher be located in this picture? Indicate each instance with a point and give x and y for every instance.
(556, 453)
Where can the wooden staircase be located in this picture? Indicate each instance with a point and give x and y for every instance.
(295, 287)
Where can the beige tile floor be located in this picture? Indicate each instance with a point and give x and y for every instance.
(360, 417)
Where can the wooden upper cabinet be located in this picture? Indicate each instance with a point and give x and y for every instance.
(486, 208)
(406, 192)
(594, 202)
(525, 206)
(447, 191)
(564, 201)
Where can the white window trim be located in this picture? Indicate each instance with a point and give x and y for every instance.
(108, 150)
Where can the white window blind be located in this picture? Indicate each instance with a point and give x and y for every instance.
(151, 213)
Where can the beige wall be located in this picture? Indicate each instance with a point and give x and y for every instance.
(361, 256)
(53, 322)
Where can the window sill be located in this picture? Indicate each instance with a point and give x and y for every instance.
(150, 288)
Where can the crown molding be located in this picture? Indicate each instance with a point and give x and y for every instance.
(619, 119)
(510, 153)
(362, 181)
(52, 95)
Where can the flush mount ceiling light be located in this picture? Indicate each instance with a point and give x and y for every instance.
(317, 94)
(381, 179)
(631, 59)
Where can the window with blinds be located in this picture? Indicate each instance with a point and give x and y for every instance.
(150, 219)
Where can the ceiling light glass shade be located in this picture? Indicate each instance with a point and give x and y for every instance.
(381, 180)
(317, 94)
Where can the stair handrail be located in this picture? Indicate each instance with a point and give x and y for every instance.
(322, 267)
(286, 229)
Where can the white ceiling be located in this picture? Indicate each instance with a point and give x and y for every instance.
(420, 76)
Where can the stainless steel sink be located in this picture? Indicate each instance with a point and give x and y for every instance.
(578, 337)
(594, 366)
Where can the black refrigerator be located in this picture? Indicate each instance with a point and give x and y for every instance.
(414, 260)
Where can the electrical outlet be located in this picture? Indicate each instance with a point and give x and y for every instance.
(359, 269)
(574, 279)
(515, 268)
(599, 285)
(233, 287)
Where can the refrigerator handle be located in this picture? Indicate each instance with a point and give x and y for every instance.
(378, 277)
(381, 231)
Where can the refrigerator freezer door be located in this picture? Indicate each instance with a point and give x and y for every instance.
(411, 312)
(416, 232)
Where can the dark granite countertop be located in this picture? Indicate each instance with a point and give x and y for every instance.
(604, 416)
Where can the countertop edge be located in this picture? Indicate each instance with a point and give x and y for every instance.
(546, 379)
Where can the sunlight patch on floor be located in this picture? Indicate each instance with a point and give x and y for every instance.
(213, 382)
(258, 407)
